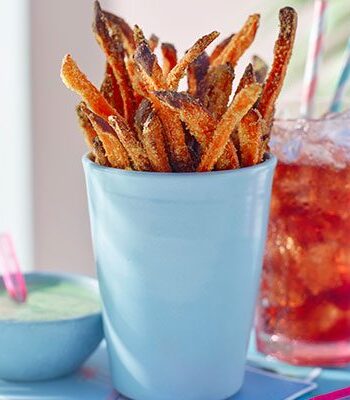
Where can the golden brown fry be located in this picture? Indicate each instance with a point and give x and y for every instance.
(131, 144)
(247, 78)
(151, 76)
(180, 68)
(115, 55)
(99, 153)
(199, 122)
(119, 26)
(154, 144)
(139, 36)
(153, 42)
(196, 73)
(239, 42)
(143, 111)
(77, 81)
(217, 89)
(169, 57)
(282, 53)
(219, 48)
(115, 152)
(85, 125)
(110, 90)
(260, 68)
(239, 106)
(250, 138)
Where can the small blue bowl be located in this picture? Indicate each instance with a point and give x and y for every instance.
(43, 350)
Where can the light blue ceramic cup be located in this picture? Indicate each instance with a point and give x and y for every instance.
(42, 350)
(178, 258)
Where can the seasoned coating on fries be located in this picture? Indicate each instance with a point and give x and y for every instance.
(260, 68)
(217, 89)
(250, 138)
(153, 42)
(239, 106)
(143, 111)
(77, 81)
(239, 43)
(198, 121)
(110, 90)
(247, 78)
(115, 55)
(180, 68)
(169, 57)
(196, 73)
(119, 26)
(282, 53)
(154, 143)
(85, 125)
(139, 36)
(179, 154)
(99, 153)
(219, 48)
(131, 144)
(114, 150)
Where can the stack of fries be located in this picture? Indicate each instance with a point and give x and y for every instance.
(138, 120)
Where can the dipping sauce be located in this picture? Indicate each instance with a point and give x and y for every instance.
(50, 300)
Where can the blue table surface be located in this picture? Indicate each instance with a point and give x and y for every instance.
(93, 381)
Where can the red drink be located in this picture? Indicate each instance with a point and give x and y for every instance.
(304, 308)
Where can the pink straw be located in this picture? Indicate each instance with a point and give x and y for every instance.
(12, 276)
(313, 59)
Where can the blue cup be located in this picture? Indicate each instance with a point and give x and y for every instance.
(178, 258)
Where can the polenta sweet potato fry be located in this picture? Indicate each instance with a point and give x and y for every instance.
(219, 48)
(196, 73)
(239, 42)
(260, 68)
(217, 89)
(141, 115)
(239, 106)
(247, 78)
(154, 143)
(85, 125)
(169, 57)
(77, 81)
(153, 42)
(250, 138)
(115, 55)
(110, 90)
(199, 122)
(131, 144)
(99, 153)
(180, 68)
(282, 53)
(114, 150)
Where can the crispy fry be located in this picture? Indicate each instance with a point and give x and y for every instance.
(119, 26)
(250, 138)
(260, 68)
(115, 55)
(247, 78)
(239, 42)
(110, 90)
(153, 42)
(154, 144)
(99, 153)
(282, 54)
(169, 57)
(219, 48)
(77, 81)
(85, 125)
(114, 150)
(180, 68)
(196, 73)
(143, 111)
(139, 36)
(131, 144)
(239, 106)
(217, 89)
(199, 122)
(151, 77)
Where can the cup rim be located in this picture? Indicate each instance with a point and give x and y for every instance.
(269, 162)
(79, 279)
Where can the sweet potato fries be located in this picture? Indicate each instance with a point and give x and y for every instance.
(139, 120)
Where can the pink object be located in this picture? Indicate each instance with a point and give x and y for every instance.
(313, 58)
(12, 276)
(342, 394)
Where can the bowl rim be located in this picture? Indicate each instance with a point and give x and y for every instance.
(83, 280)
